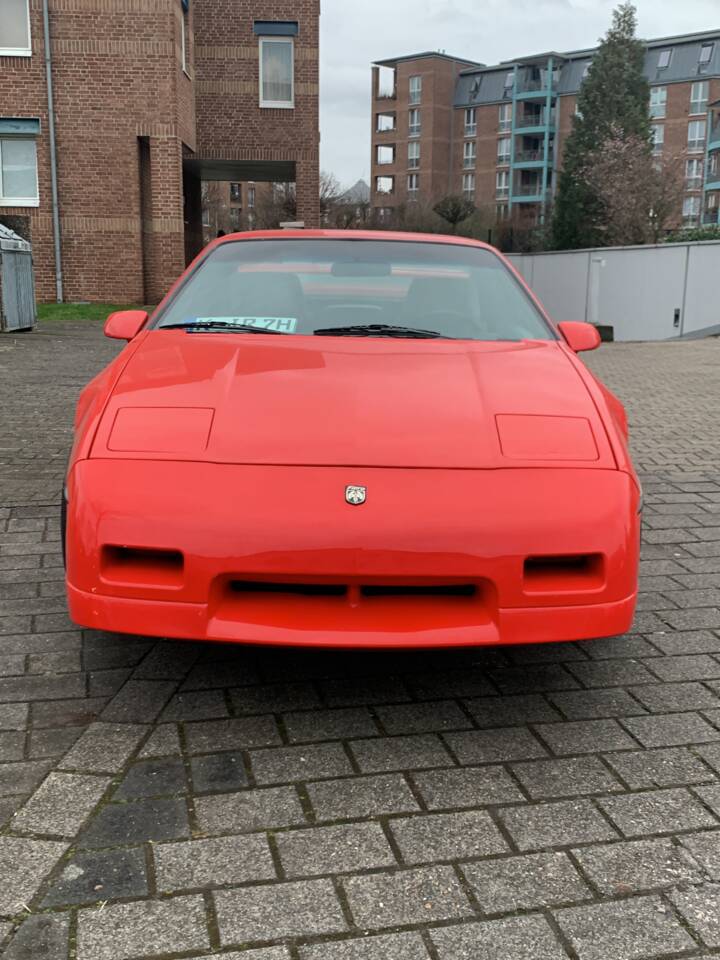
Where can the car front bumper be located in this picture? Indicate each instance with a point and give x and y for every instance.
(275, 555)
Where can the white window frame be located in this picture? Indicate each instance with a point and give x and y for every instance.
(413, 191)
(697, 144)
(387, 116)
(658, 132)
(694, 181)
(698, 105)
(278, 104)
(504, 157)
(469, 154)
(669, 52)
(691, 207)
(413, 154)
(20, 51)
(385, 193)
(470, 122)
(183, 39)
(468, 184)
(381, 147)
(415, 89)
(658, 102)
(502, 184)
(20, 201)
(505, 118)
(414, 129)
(706, 46)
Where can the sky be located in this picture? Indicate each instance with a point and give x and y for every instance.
(354, 34)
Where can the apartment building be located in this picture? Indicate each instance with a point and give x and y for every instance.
(150, 98)
(496, 133)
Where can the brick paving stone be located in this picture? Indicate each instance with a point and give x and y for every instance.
(275, 698)
(545, 779)
(659, 811)
(152, 778)
(74, 712)
(41, 937)
(436, 715)
(620, 868)
(307, 762)
(14, 716)
(205, 863)
(195, 705)
(51, 743)
(24, 864)
(400, 753)
(370, 796)
(123, 823)
(517, 938)
(447, 836)
(240, 733)
(686, 642)
(710, 752)
(309, 725)
(505, 711)
(611, 673)
(42, 688)
(218, 772)
(529, 679)
(141, 929)
(12, 745)
(356, 692)
(162, 742)
(336, 849)
(139, 701)
(525, 882)
(98, 876)
(671, 729)
(104, 747)
(700, 906)
(495, 746)
(556, 824)
(584, 736)
(393, 946)
(61, 804)
(710, 796)
(705, 850)
(22, 777)
(672, 767)
(249, 810)
(302, 908)
(640, 927)
(421, 895)
(466, 787)
(682, 696)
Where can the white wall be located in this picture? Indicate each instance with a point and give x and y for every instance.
(635, 290)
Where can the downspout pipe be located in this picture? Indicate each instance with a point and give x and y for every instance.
(57, 243)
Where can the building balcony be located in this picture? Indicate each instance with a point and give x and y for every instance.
(529, 159)
(535, 121)
(714, 138)
(711, 218)
(528, 193)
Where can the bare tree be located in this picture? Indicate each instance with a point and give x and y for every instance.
(639, 194)
(454, 210)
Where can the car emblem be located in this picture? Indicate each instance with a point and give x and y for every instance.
(355, 494)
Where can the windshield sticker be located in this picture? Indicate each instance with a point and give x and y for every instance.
(280, 324)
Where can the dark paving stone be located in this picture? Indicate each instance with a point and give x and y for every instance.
(310, 725)
(400, 753)
(585, 736)
(218, 772)
(125, 823)
(511, 711)
(240, 733)
(105, 875)
(434, 716)
(42, 937)
(152, 778)
(495, 746)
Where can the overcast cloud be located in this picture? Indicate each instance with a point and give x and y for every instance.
(354, 34)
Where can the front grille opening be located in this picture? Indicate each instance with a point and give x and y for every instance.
(292, 589)
(583, 571)
(422, 590)
(142, 566)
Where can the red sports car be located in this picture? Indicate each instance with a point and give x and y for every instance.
(351, 439)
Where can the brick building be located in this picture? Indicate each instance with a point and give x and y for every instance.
(151, 97)
(495, 134)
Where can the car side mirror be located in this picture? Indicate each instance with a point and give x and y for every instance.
(125, 324)
(580, 336)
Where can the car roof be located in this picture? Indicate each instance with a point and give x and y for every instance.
(392, 235)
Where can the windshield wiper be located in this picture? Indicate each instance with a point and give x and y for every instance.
(219, 325)
(381, 330)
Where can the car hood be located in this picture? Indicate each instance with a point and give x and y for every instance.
(259, 399)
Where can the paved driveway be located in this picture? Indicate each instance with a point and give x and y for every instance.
(173, 800)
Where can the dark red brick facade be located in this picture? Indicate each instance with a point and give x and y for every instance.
(135, 129)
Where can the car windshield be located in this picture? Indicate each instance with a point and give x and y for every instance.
(347, 287)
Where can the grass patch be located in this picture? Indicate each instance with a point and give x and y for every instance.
(82, 311)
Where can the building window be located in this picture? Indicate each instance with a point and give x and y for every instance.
(713, 164)
(502, 211)
(386, 83)
(665, 58)
(413, 185)
(469, 153)
(236, 192)
(706, 52)
(586, 70)
(277, 73)
(413, 154)
(15, 28)
(505, 117)
(468, 184)
(657, 130)
(385, 154)
(415, 89)
(384, 184)
(206, 217)
(696, 136)
(235, 218)
(385, 122)
(18, 173)
(471, 122)
(699, 97)
(509, 81)
(691, 209)
(503, 150)
(658, 102)
(414, 123)
(693, 173)
(185, 37)
(502, 184)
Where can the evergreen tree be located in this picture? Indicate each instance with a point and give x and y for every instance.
(613, 102)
